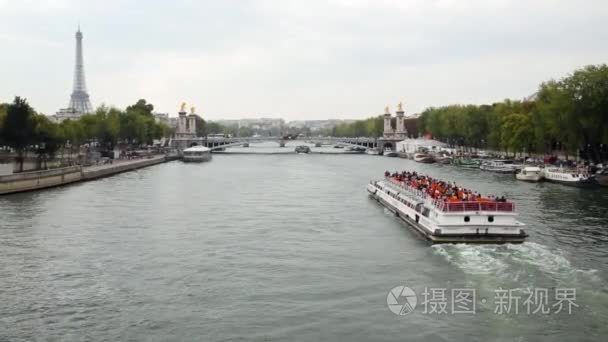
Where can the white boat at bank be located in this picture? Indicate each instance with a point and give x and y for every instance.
(372, 151)
(568, 176)
(530, 174)
(197, 154)
(449, 222)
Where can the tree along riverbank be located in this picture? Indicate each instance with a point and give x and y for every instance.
(25, 131)
(568, 116)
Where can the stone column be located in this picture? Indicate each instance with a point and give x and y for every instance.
(388, 129)
(192, 124)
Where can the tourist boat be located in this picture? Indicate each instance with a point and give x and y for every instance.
(302, 149)
(500, 166)
(449, 222)
(423, 157)
(467, 163)
(373, 151)
(568, 176)
(530, 174)
(197, 154)
(388, 152)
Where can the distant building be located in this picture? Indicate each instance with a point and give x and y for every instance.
(317, 125)
(65, 114)
(173, 122)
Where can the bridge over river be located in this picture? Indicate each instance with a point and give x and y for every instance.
(218, 143)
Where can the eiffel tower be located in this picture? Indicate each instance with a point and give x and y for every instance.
(79, 101)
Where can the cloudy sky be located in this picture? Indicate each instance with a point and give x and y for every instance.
(303, 59)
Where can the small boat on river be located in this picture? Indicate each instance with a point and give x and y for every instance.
(500, 166)
(442, 158)
(197, 154)
(423, 157)
(372, 151)
(466, 163)
(530, 174)
(418, 201)
(302, 149)
(388, 152)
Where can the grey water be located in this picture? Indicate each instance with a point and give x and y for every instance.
(286, 247)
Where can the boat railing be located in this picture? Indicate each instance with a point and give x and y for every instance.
(473, 206)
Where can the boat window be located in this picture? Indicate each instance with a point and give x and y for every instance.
(425, 212)
(490, 218)
(467, 219)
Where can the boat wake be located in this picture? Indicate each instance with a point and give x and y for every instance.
(515, 262)
(473, 259)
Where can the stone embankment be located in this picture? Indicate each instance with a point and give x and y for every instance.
(35, 180)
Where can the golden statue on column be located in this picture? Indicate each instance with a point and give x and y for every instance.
(400, 107)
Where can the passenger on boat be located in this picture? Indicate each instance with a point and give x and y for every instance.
(438, 189)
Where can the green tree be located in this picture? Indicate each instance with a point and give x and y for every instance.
(19, 128)
(107, 126)
(48, 139)
(3, 110)
(587, 90)
(516, 132)
(141, 107)
(74, 135)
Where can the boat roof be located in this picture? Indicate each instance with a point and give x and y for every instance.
(532, 168)
(197, 149)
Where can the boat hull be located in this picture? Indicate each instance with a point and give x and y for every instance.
(425, 160)
(197, 159)
(566, 178)
(529, 178)
(497, 170)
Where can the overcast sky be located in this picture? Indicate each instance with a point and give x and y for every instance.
(304, 59)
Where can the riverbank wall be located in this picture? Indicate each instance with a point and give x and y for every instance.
(99, 171)
(36, 180)
(27, 181)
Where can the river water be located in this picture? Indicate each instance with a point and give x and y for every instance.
(288, 247)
